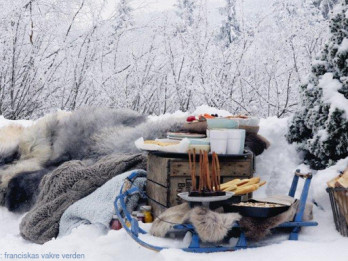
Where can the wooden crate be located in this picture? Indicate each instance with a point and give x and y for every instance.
(169, 174)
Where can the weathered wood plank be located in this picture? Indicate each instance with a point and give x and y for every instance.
(232, 168)
(158, 169)
(157, 192)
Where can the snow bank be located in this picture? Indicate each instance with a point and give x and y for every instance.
(276, 166)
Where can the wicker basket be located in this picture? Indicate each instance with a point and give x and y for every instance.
(339, 204)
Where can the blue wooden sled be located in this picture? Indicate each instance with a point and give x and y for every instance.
(195, 246)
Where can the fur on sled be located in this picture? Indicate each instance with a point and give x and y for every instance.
(210, 226)
(213, 227)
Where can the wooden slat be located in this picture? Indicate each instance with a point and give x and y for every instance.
(157, 193)
(178, 185)
(231, 168)
(158, 169)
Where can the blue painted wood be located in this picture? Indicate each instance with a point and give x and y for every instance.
(294, 233)
(303, 199)
(242, 241)
(135, 227)
(184, 227)
(293, 187)
(195, 241)
(299, 224)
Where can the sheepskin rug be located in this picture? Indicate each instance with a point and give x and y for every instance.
(211, 226)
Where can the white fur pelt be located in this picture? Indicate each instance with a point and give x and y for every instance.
(212, 226)
(209, 225)
(165, 222)
(116, 139)
(34, 148)
(9, 141)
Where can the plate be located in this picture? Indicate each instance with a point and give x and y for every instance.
(185, 196)
(182, 135)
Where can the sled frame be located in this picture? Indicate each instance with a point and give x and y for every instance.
(195, 245)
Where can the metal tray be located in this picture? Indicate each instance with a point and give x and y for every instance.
(185, 196)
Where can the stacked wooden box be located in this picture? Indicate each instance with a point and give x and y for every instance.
(169, 174)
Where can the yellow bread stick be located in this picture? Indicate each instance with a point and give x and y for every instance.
(230, 188)
(242, 182)
(246, 189)
(238, 183)
(229, 183)
(262, 183)
(251, 181)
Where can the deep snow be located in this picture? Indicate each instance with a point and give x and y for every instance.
(276, 166)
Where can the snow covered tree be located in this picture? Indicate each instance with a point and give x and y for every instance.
(124, 17)
(320, 127)
(184, 10)
(230, 28)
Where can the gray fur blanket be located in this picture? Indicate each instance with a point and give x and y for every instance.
(67, 184)
(98, 207)
(88, 133)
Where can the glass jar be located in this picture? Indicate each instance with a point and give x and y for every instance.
(141, 217)
(147, 214)
(115, 224)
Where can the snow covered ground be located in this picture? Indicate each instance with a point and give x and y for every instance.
(276, 166)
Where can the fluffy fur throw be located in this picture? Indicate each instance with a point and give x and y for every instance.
(23, 190)
(67, 184)
(210, 226)
(165, 222)
(87, 133)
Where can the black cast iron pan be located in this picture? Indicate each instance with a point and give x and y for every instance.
(256, 212)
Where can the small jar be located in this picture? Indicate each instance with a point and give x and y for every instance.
(115, 224)
(141, 217)
(147, 214)
(134, 214)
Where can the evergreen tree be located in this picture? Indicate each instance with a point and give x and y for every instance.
(320, 127)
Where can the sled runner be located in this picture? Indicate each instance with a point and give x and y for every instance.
(195, 245)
